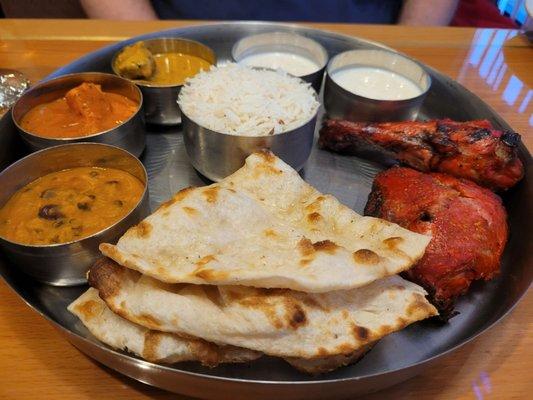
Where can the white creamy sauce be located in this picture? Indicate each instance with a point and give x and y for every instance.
(376, 83)
(291, 63)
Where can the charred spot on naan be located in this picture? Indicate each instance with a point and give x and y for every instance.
(361, 334)
(267, 164)
(343, 348)
(152, 339)
(315, 205)
(209, 354)
(326, 245)
(267, 156)
(322, 352)
(270, 233)
(281, 310)
(306, 247)
(106, 276)
(393, 242)
(89, 309)
(295, 315)
(205, 260)
(420, 307)
(190, 210)
(211, 194)
(142, 230)
(304, 262)
(309, 249)
(210, 275)
(384, 330)
(146, 320)
(182, 194)
(365, 256)
(314, 217)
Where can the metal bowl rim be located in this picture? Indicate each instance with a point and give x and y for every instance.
(321, 48)
(61, 141)
(66, 244)
(245, 137)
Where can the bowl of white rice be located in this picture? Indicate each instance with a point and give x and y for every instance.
(232, 111)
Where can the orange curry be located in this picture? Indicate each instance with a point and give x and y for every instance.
(69, 205)
(83, 111)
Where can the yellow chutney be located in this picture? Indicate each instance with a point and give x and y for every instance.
(69, 205)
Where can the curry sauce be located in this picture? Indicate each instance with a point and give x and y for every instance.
(69, 205)
(83, 111)
(164, 68)
(175, 68)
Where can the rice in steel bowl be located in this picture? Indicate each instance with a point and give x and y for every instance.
(238, 100)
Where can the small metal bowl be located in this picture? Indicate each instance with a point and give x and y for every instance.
(343, 104)
(287, 43)
(129, 135)
(216, 155)
(160, 101)
(66, 264)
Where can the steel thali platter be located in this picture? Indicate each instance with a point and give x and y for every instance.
(395, 358)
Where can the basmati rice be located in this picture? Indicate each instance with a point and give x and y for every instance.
(238, 100)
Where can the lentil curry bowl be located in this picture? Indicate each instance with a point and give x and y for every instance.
(69, 205)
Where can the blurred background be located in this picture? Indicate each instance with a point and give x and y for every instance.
(477, 13)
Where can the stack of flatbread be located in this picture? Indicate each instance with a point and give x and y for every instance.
(259, 263)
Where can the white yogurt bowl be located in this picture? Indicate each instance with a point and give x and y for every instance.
(295, 54)
(374, 85)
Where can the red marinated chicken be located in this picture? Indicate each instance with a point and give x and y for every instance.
(467, 224)
(471, 150)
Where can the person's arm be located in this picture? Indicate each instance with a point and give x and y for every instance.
(119, 9)
(427, 12)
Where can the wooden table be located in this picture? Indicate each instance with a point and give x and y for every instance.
(36, 362)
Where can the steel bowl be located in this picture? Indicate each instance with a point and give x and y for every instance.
(285, 42)
(129, 135)
(343, 104)
(66, 264)
(216, 155)
(160, 101)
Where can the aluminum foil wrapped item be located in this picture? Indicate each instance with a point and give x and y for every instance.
(12, 85)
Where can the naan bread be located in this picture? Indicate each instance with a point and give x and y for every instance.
(155, 346)
(277, 322)
(168, 348)
(265, 227)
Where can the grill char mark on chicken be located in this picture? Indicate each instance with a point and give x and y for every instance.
(471, 150)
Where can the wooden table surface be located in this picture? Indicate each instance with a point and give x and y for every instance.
(497, 65)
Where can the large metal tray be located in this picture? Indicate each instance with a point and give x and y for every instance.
(396, 357)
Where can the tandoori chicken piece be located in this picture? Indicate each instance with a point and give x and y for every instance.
(473, 150)
(468, 225)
